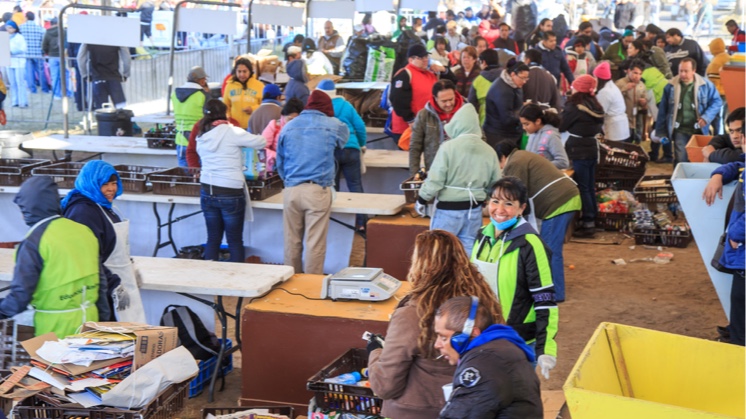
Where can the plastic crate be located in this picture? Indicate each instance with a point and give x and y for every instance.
(341, 397)
(14, 171)
(261, 189)
(622, 155)
(11, 336)
(63, 174)
(659, 236)
(162, 143)
(206, 368)
(183, 181)
(135, 178)
(275, 410)
(165, 406)
(411, 189)
(662, 193)
(610, 221)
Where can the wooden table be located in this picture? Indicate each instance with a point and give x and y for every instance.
(287, 339)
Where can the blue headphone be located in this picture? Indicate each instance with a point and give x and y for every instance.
(460, 341)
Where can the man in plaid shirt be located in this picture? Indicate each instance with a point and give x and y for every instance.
(34, 34)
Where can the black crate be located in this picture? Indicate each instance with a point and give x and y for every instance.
(63, 174)
(275, 410)
(14, 171)
(663, 193)
(622, 155)
(261, 189)
(411, 188)
(11, 336)
(341, 397)
(664, 237)
(162, 143)
(610, 221)
(183, 181)
(165, 406)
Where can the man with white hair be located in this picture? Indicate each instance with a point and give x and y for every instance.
(332, 45)
(453, 36)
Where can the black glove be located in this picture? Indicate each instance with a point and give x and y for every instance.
(374, 343)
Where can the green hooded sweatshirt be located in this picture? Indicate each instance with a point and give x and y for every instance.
(398, 31)
(465, 166)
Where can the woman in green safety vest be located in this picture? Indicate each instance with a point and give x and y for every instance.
(514, 261)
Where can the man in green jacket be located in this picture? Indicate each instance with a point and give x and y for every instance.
(188, 101)
(57, 265)
(464, 167)
(617, 52)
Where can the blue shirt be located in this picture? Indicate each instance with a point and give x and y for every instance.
(34, 34)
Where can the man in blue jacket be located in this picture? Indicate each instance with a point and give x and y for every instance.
(689, 104)
(305, 162)
(733, 255)
(552, 58)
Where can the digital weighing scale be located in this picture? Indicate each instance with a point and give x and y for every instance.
(366, 284)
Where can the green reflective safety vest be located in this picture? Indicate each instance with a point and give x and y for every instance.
(67, 291)
(186, 114)
(481, 86)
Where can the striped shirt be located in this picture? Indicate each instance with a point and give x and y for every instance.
(33, 34)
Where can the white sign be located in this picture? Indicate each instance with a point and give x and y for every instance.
(344, 9)
(103, 30)
(4, 49)
(207, 21)
(277, 15)
(419, 4)
(373, 5)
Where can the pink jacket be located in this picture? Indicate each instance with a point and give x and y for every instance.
(272, 134)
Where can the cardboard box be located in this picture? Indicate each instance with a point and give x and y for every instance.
(694, 147)
(152, 342)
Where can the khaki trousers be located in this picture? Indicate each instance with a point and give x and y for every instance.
(306, 211)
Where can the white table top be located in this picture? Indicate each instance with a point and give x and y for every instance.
(208, 277)
(192, 276)
(380, 85)
(374, 130)
(387, 158)
(346, 202)
(96, 144)
(154, 118)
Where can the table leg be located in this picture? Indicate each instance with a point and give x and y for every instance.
(220, 311)
(237, 320)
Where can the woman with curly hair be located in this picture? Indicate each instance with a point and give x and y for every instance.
(407, 373)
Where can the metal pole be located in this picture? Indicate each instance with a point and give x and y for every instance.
(173, 42)
(248, 28)
(63, 55)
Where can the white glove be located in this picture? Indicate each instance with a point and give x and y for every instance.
(420, 208)
(546, 363)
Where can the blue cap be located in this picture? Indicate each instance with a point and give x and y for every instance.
(326, 84)
(271, 91)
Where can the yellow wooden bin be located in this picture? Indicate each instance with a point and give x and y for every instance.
(628, 372)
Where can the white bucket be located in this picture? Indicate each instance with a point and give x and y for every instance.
(10, 142)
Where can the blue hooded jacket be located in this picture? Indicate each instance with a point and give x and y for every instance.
(345, 112)
(501, 331)
(92, 177)
(734, 258)
(296, 87)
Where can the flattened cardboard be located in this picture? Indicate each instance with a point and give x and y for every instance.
(32, 345)
(152, 341)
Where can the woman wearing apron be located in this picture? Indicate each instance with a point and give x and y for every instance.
(514, 261)
(464, 167)
(90, 204)
(553, 201)
(56, 265)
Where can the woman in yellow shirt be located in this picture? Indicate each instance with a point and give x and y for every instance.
(243, 92)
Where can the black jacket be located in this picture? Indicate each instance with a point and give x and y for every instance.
(50, 45)
(501, 120)
(687, 48)
(507, 386)
(725, 151)
(583, 122)
(84, 211)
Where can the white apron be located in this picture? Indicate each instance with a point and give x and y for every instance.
(489, 270)
(127, 301)
(532, 217)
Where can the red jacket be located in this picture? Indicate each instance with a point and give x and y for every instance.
(488, 32)
(191, 151)
(739, 37)
(411, 88)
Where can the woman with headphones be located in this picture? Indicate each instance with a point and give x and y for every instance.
(407, 372)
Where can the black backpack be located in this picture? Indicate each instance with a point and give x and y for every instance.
(193, 334)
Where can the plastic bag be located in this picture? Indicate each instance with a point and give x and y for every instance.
(380, 64)
(524, 20)
(355, 59)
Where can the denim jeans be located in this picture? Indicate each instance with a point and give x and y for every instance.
(34, 72)
(464, 224)
(585, 177)
(679, 147)
(54, 72)
(102, 89)
(18, 93)
(348, 163)
(737, 293)
(181, 155)
(224, 214)
(553, 233)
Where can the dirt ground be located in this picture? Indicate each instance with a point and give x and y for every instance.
(677, 297)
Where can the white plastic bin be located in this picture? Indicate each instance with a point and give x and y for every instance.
(689, 181)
